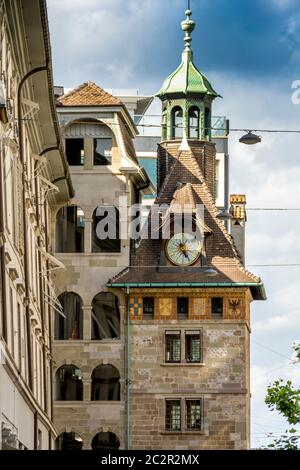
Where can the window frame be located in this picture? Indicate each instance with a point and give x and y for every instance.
(183, 415)
(82, 156)
(169, 429)
(186, 420)
(183, 315)
(148, 315)
(172, 333)
(107, 160)
(189, 333)
(217, 315)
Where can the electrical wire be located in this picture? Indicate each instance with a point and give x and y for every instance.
(270, 349)
(273, 209)
(221, 129)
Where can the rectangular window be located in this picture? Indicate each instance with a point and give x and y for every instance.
(193, 415)
(75, 152)
(182, 308)
(193, 346)
(148, 307)
(102, 151)
(217, 307)
(173, 349)
(173, 415)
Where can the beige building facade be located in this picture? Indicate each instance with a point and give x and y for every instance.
(89, 346)
(34, 176)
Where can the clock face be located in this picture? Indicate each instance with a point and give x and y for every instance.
(183, 249)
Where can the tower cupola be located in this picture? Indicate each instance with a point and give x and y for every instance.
(187, 96)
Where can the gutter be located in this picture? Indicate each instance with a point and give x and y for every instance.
(47, 49)
(259, 286)
(41, 291)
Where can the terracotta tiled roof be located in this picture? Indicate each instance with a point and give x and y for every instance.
(221, 253)
(88, 94)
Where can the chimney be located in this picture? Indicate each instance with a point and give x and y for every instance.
(238, 222)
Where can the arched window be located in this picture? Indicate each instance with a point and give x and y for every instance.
(70, 230)
(69, 384)
(177, 123)
(69, 326)
(194, 122)
(207, 122)
(106, 230)
(105, 383)
(105, 316)
(105, 440)
(69, 441)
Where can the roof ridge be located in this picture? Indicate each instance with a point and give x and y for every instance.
(74, 90)
(92, 87)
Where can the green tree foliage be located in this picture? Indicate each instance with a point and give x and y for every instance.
(284, 398)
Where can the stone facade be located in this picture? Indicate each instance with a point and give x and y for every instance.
(86, 273)
(221, 379)
(28, 172)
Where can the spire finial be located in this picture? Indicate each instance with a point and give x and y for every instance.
(188, 27)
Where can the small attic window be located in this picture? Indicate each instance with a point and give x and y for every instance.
(102, 151)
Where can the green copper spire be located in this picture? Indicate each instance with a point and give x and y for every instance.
(187, 78)
(187, 95)
(188, 27)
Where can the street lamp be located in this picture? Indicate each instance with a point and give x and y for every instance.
(250, 139)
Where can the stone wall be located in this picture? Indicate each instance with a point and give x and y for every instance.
(220, 381)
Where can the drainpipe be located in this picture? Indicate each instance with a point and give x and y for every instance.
(49, 315)
(41, 290)
(26, 263)
(2, 261)
(128, 374)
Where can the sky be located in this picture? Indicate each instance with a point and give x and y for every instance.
(250, 51)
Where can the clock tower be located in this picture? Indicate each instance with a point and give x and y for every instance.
(187, 295)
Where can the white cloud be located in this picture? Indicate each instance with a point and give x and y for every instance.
(106, 43)
(278, 323)
(281, 4)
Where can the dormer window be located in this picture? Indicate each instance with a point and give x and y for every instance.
(102, 151)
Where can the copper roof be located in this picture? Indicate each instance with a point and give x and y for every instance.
(88, 94)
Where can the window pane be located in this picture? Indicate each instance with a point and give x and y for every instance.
(194, 123)
(177, 131)
(105, 316)
(182, 308)
(193, 414)
(75, 152)
(217, 307)
(148, 307)
(173, 415)
(102, 151)
(70, 230)
(173, 347)
(193, 347)
(109, 224)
